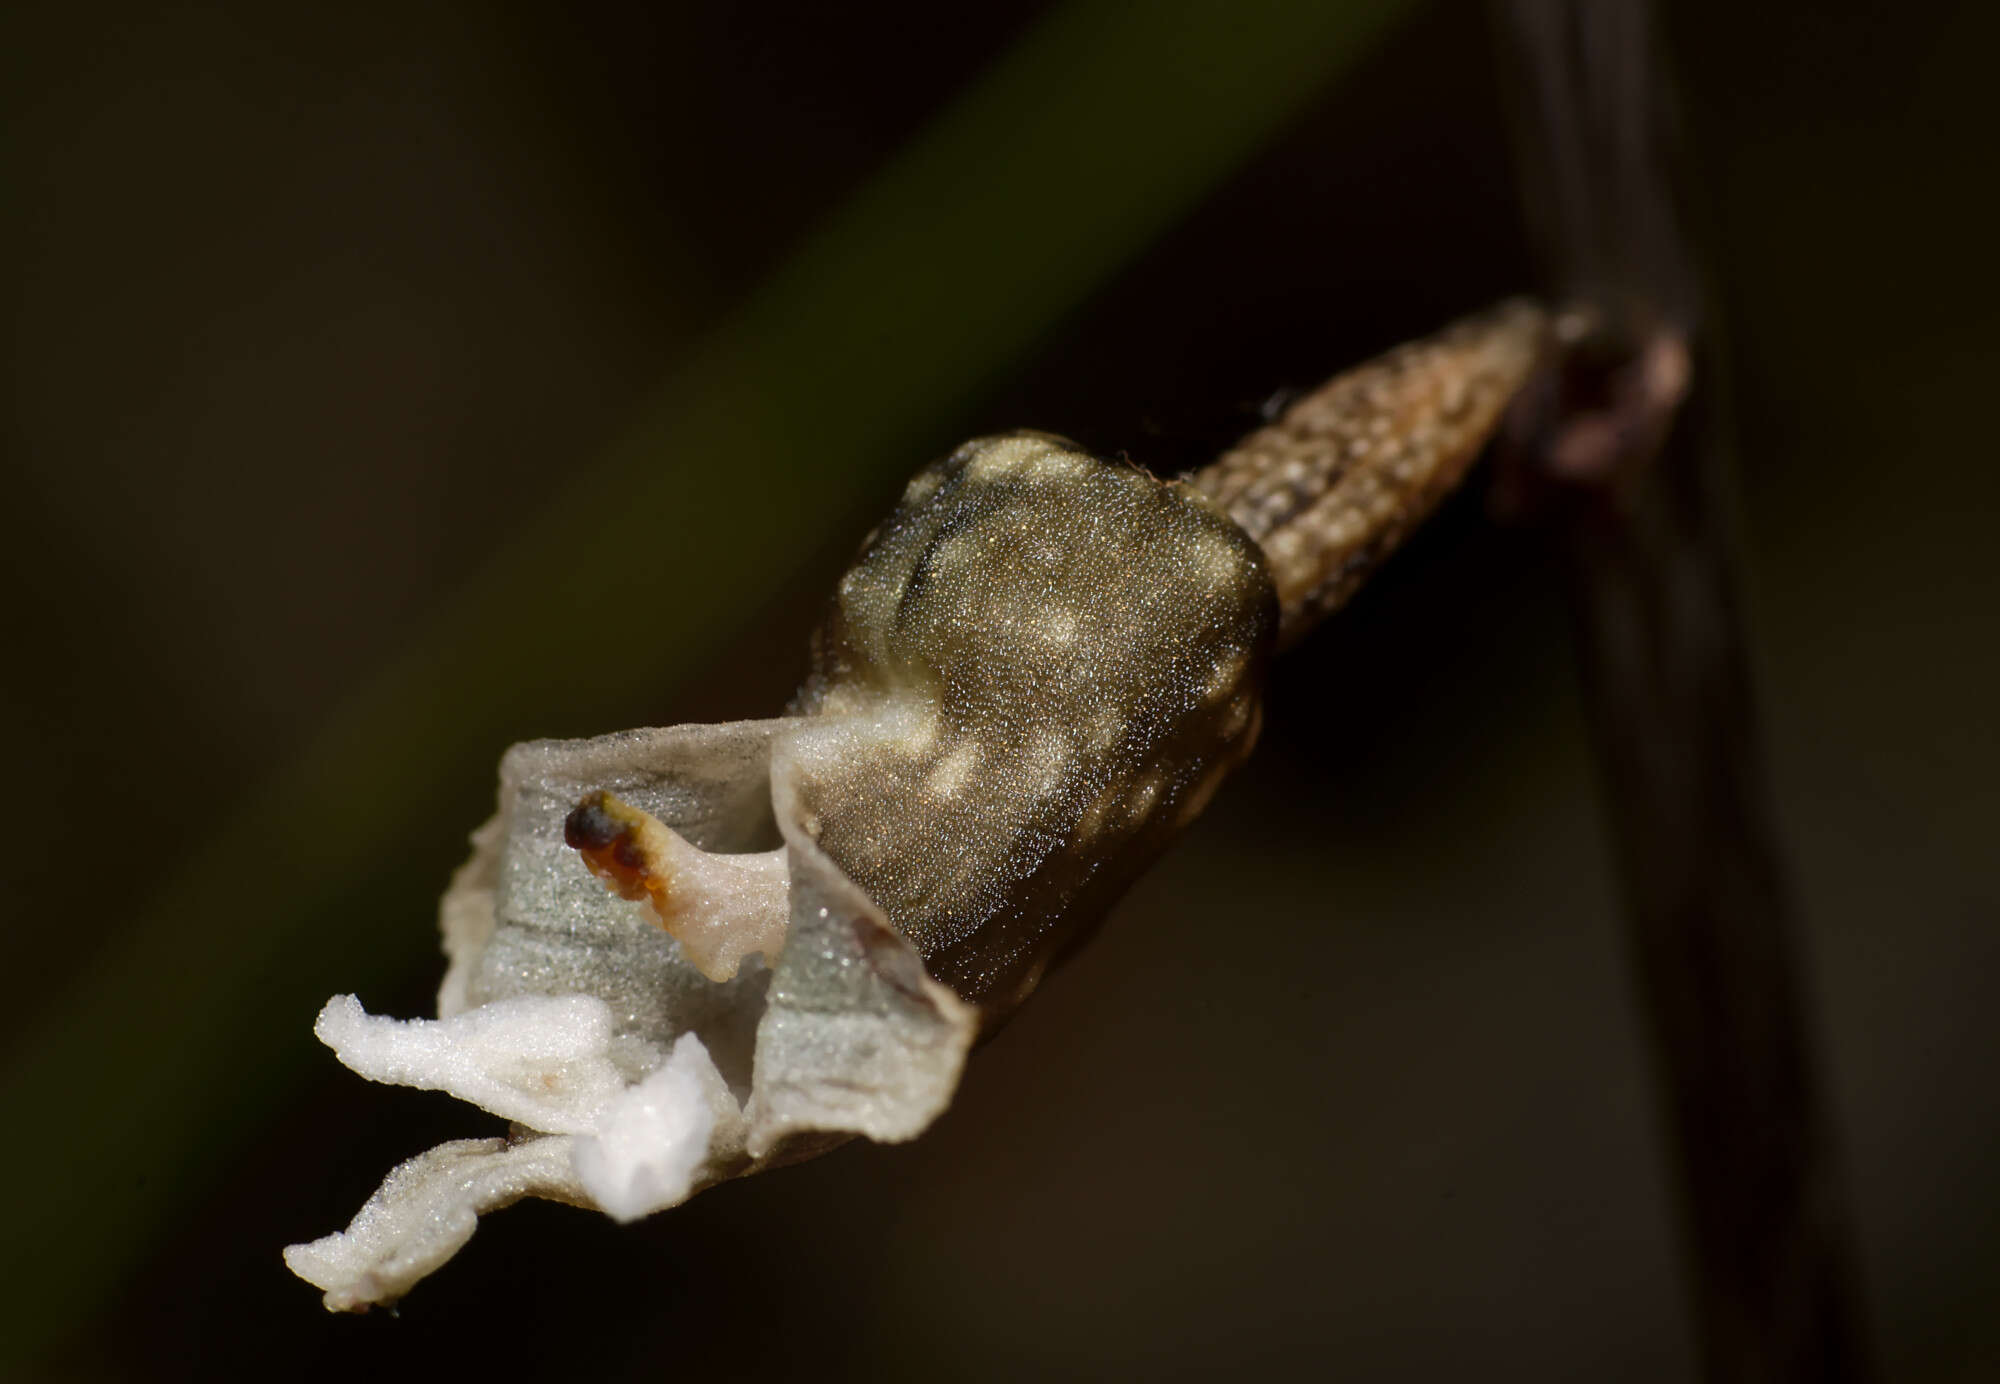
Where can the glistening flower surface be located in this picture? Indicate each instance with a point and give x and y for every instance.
(1032, 678)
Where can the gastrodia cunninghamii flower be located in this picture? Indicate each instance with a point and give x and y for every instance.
(685, 954)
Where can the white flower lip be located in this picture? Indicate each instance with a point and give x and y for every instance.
(547, 1063)
(632, 1079)
(550, 1063)
(539, 1061)
(651, 1138)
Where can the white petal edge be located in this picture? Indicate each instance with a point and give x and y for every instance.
(653, 1138)
(540, 1061)
(425, 1211)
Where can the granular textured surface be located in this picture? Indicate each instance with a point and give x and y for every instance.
(1335, 484)
(1035, 674)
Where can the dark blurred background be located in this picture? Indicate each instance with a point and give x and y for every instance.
(386, 384)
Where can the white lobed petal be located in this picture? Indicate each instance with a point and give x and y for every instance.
(543, 1061)
(652, 1140)
(425, 1211)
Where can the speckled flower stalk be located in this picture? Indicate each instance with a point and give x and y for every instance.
(1331, 488)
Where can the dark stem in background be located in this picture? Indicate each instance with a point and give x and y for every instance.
(1621, 449)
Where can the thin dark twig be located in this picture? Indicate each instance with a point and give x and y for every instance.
(1623, 449)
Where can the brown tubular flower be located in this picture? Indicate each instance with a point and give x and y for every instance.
(1034, 676)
